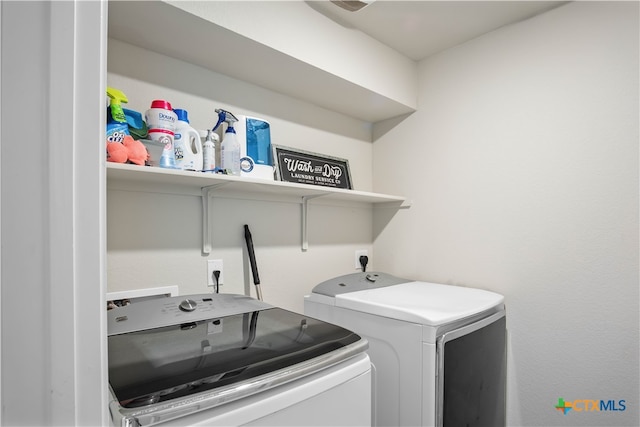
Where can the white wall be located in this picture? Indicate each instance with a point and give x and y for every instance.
(156, 239)
(522, 163)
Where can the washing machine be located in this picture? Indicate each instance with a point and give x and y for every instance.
(438, 351)
(223, 359)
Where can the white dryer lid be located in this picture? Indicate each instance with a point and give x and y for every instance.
(421, 302)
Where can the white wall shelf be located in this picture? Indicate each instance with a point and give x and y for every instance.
(152, 179)
(161, 180)
(264, 64)
(144, 24)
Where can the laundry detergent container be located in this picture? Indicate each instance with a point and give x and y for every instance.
(439, 351)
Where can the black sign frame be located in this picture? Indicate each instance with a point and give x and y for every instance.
(306, 167)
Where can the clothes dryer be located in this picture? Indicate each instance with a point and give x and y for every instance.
(438, 351)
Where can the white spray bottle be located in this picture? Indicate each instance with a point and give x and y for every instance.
(209, 152)
(230, 147)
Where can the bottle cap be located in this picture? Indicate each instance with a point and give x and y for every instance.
(159, 103)
(182, 114)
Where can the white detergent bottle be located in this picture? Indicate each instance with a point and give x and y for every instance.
(230, 147)
(187, 144)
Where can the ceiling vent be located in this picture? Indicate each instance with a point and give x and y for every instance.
(352, 5)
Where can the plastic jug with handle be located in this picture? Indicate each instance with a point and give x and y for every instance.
(161, 121)
(187, 144)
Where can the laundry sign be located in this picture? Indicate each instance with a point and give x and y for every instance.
(304, 167)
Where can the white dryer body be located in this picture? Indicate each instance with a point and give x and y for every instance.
(438, 351)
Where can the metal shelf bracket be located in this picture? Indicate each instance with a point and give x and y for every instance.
(207, 223)
(305, 200)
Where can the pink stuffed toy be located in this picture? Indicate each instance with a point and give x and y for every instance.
(136, 151)
(121, 148)
(116, 152)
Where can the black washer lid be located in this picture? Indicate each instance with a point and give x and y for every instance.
(170, 362)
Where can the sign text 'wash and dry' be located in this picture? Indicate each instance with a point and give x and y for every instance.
(311, 168)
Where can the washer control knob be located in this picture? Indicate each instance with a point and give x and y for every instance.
(188, 305)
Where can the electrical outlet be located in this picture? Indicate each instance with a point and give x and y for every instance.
(360, 253)
(213, 265)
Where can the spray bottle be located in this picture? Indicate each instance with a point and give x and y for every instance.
(116, 119)
(209, 152)
(230, 147)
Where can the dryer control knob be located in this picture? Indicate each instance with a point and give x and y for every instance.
(188, 305)
(371, 277)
